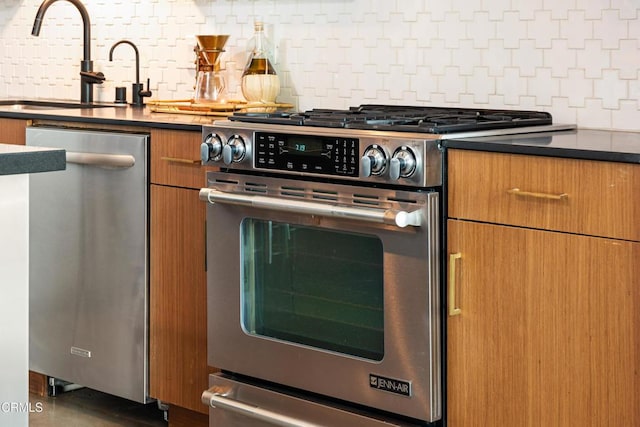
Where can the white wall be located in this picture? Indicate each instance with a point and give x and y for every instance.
(14, 300)
(578, 59)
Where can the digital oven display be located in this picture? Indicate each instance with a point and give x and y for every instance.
(304, 153)
(305, 147)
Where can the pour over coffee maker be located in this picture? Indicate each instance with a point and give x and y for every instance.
(209, 80)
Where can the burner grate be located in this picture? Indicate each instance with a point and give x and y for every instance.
(435, 120)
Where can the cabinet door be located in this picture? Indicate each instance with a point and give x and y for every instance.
(549, 328)
(178, 311)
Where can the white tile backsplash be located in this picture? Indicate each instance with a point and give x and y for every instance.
(593, 59)
(611, 29)
(576, 29)
(542, 86)
(578, 59)
(543, 29)
(611, 90)
(528, 9)
(577, 88)
(626, 59)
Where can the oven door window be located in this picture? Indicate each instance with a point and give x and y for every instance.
(311, 286)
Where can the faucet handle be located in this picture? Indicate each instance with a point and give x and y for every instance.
(146, 93)
(139, 93)
(92, 77)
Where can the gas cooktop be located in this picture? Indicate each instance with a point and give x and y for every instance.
(434, 120)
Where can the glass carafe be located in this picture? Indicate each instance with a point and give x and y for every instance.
(209, 86)
(260, 83)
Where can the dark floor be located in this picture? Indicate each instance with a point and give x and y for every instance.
(85, 407)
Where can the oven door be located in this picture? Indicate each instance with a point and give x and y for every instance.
(326, 288)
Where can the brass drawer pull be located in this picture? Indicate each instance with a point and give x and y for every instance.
(518, 192)
(453, 310)
(178, 160)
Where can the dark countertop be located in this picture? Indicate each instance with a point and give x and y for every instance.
(615, 146)
(19, 159)
(112, 115)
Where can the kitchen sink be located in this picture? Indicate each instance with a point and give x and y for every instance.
(28, 105)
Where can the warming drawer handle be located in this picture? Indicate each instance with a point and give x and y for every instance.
(217, 400)
(113, 161)
(382, 216)
(535, 195)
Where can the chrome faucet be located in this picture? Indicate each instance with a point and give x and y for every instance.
(87, 76)
(138, 88)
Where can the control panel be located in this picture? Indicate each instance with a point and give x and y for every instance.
(304, 153)
(341, 154)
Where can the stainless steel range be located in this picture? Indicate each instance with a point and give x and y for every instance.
(323, 249)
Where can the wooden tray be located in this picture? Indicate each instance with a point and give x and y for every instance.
(188, 106)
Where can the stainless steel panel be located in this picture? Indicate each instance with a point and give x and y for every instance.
(88, 262)
(411, 298)
(237, 404)
(425, 146)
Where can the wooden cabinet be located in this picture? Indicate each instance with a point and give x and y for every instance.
(13, 131)
(178, 310)
(548, 331)
(576, 196)
(175, 159)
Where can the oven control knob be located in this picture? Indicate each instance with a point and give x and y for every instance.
(234, 150)
(373, 162)
(211, 148)
(402, 164)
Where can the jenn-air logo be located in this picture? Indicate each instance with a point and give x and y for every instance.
(389, 384)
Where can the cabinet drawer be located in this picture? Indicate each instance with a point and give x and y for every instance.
(175, 158)
(12, 131)
(576, 196)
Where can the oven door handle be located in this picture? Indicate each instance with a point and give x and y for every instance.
(381, 216)
(218, 400)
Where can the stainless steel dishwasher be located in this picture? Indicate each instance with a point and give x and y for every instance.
(88, 284)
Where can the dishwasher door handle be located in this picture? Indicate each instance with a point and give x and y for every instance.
(383, 216)
(217, 400)
(109, 161)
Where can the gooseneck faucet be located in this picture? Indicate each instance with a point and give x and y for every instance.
(137, 88)
(87, 76)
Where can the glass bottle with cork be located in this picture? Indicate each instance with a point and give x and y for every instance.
(260, 83)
